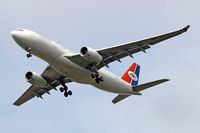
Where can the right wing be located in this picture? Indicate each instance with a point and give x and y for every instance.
(51, 76)
(115, 53)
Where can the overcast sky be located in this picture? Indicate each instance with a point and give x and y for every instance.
(171, 107)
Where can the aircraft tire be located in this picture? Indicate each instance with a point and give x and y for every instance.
(101, 79)
(28, 55)
(66, 94)
(61, 89)
(93, 75)
(97, 81)
(69, 92)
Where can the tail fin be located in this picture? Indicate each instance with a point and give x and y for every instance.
(131, 76)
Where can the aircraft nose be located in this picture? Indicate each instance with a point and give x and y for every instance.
(14, 34)
(19, 37)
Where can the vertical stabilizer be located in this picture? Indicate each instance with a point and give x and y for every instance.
(131, 76)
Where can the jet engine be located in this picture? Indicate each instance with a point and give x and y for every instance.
(35, 79)
(91, 54)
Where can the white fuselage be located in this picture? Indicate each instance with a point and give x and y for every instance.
(55, 55)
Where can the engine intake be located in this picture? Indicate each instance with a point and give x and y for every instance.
(91, 54)
(35, 79)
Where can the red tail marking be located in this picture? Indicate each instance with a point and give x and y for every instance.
(126, 77)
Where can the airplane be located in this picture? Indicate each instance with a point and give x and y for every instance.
(85, 67)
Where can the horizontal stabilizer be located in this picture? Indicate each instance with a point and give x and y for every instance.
(139, 88)
(148, 85)
(119, 98)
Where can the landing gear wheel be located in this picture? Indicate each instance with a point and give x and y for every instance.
(70, 92)
(65, 88)
(28, 55)
(93, 75)
(97, 81)
(97, 75)
(101, 79)
(61, 89)
(66, 94)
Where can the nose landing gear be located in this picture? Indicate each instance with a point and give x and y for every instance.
(28, 49)
(28, 55)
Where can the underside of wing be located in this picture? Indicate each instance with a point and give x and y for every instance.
(52, 78)
(118, 52)
(115, 53)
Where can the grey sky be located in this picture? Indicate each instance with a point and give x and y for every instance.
(169, 108)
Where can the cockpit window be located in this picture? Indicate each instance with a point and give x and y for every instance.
(20, 29)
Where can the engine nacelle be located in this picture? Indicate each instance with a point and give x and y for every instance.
(91, 54)
(35, 79)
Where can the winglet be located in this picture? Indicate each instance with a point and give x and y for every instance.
(186, 28)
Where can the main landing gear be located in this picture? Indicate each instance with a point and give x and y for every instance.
(95, 74)
(65, 90)
(28, 49)
(97, 77)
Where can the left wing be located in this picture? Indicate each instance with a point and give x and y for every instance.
(51, 76)
(115, 53)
